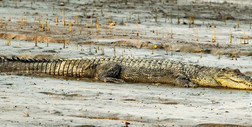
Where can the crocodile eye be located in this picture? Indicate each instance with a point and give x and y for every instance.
(236, 71)
(223, 69)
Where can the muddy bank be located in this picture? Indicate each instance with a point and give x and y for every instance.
(170, 25)
(177, 47)
(33, 101)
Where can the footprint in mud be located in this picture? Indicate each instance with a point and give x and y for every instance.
(129, 100)
(50, 51)
(85, 126)
(8, 84)
(27, 50)
(170, 103)
(63, 94)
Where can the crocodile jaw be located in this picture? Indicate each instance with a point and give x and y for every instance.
(234, 82)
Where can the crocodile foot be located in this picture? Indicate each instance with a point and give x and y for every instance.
(184, 82)
(108, 72)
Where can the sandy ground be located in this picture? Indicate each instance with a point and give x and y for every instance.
(31, 101)
(37, 101)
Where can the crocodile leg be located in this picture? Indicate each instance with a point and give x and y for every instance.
(108, 72)
(184, 82)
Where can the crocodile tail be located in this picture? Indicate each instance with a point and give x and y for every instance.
(22, 65)
(56, 67)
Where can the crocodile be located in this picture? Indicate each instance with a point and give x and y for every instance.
(129, 69)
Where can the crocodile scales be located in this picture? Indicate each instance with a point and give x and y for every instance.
(129, 69)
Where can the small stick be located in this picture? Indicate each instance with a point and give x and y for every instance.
(171, 32)
(123, 50)
(63, 15)
(43, 26)
(165, 16)
(171, 18)
(244, 36)
(46, 19)
(36, 41)
(230, 36)
(31, 4)
(238, 23)
(15, 3)
(76, 18)
(137, 29)
(110, 25)
(25, 20)
(166, 51)
(197, 39)
(156, 16)
(102, 51)
(90, 48)
(214, 38)
(97, 24)
(39, 18)
(80, 29)
(114, 49)
(178, 20)
(91, 20)
(232, 56)
(235, 55)
(218, 53)
(64, 42)
(57, 20)
(9, 41)
(102, 12)
(95, 50)
(70, 26)
(201, 54)
(250, 24)
(21, 24)
(127, 22)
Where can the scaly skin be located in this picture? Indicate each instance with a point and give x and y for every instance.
(129, 69)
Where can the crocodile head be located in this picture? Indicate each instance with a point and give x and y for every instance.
(233, 79)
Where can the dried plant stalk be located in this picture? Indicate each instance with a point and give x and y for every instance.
(57, 19)
(63, 20)
(171, 32)
(76, 18)
(197, 38)
(25, 20)
(137, 29)
(70, 25)
(244, 37)
(230, 36)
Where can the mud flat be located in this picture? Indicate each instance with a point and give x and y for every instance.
(210, 33)
(32, 101)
